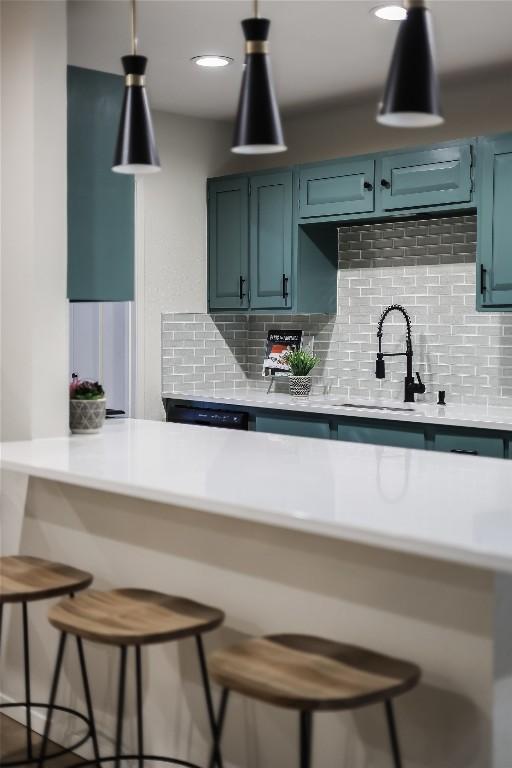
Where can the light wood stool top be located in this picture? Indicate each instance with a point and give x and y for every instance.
(23, 579)
(310, 673)
(133, 617)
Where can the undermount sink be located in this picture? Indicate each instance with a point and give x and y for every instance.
(360, 406)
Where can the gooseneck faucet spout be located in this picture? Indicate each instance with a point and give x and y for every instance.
(410, 385)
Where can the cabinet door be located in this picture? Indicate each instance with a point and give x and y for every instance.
(271, 240)
(296, 426)
(100, 203)
(475, 443)
(432, 177)
(494, 223)
(228, 243)
(382, 433)
(337, 189)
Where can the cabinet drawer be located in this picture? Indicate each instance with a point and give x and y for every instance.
(432, 177)
(397, 435)
(337, 189)
(474, 444)
(288, 425)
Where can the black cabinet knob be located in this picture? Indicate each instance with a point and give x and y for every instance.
(385, 183)
(367, 185)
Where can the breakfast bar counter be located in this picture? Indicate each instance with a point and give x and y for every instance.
(447, 506)
(404, 551)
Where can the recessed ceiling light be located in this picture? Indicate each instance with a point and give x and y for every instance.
(209, 60)
(394, 12)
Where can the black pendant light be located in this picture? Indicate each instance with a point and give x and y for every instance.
(258, 124)
(136, 150)
(411, 97)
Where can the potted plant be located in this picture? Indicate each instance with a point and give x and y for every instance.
(301, 363)
(86, 406)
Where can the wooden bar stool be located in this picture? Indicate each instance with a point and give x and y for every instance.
(24, 580)
(310, 674)
(133, 618)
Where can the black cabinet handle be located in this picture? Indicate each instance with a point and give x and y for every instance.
(461, 450)
(483, 280)
(368, 185)
(242, 294)
(385, 183)
(285, 287)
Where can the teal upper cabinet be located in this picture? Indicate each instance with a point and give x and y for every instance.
(252, 261)
(228, 225)
(100, 202)
(427, 178)
(337, 189)
(271, 240)
(495, 223)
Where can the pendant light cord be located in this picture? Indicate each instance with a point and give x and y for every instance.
(134, 29)
(256, 9)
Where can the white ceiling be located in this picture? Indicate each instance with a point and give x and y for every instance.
(322, 50)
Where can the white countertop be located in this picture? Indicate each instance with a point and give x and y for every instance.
(476, 416)
(437, 504)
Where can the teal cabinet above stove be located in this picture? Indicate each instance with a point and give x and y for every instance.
(337, 189)
(388, 184)
(431, 177)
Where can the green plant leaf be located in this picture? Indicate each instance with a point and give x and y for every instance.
(301, 361)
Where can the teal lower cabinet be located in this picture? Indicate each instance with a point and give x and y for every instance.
(472, 442)
(291, 425)
(396, 434)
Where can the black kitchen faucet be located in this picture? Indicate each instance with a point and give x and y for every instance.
(411, 386)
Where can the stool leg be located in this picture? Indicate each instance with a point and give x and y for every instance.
(140, 724)
(120, 707)
(209, 701)
(28, 697)
(88, 699)
(393, 736)
(220, 725)
(306, 739)
(1, 618)
(53, 696)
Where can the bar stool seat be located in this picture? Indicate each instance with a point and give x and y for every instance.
(130, 619)
(25, 579)
(133, 617)
(311, 674)
(303, 672)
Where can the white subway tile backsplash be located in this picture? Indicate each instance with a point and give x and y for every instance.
(428, 266)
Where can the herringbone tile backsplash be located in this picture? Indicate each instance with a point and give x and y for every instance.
(427, 266)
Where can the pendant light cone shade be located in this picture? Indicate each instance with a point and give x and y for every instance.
(258, 127)
(136, 150)
(411, 97)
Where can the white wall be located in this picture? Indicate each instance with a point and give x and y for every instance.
(34, 230)
(474, 105)
(171, 238)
